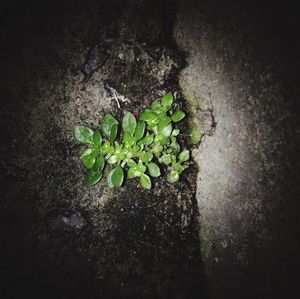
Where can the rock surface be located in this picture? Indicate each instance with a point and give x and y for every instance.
(247, 183)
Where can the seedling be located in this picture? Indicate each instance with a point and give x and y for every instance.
(145, 142)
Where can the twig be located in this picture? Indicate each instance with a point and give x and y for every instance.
(117, 97)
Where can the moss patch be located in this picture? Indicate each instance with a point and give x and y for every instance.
(193, 103)
(205, 244)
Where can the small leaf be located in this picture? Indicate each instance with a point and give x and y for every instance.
(184, 167)
(121, 156)
(141, 167)
(99, 163)
(166, 159)
(164, 122)
(118, 147)
(153, 169)
(147, 140)
(149, 117)
(175, 132)
(156, 106)
(184, 156)
(157, 149)
(178, 116)
(135, 148)
(110, 150)
(87, 152)
(129, 123)
(83, 134)
(173, 176)
(106, 124)
(92, 177)
(117, 176)
(177, 167)
(105, 147)
(167, 100)
(128, 140)
(112, 159)
(97, 138)
(165, 141)
(139, 130)
(88, 158)
(150, 127)
(95, 151)
(131, 163)
(145, 181)
(146, 157)
(113, 133)
(133, 173)
(174, 145)
(166, 131)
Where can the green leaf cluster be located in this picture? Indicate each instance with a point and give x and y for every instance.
(136, 147)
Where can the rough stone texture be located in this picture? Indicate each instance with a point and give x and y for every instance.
(246, 186)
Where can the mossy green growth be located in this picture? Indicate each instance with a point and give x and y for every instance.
(137, 150)
(195, 132)
(205, 244)
(193, 103)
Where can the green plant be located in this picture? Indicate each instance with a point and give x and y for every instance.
(143, 141)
